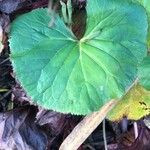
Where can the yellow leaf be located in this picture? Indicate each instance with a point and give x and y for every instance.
(134, 105)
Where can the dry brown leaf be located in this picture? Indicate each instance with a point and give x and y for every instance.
(19, 131)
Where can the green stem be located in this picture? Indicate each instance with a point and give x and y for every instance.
(64, 11)
(69, 8)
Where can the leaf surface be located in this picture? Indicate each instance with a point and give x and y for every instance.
(75, 76)
(146, 5)
(144, 73)
(134, 105)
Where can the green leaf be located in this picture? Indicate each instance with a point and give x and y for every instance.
(144, 73)
(146, 5)
(62, 73)
(134, 105)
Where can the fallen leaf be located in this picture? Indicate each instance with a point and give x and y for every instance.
(19, 131)
(58, 125)
(147, 121)
(4, 22)
(19, 95)
(4, 28)
(127, 141)
(55, 120)
(8, 6)
(134, 105)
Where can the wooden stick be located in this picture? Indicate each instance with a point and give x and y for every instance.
(86, 127)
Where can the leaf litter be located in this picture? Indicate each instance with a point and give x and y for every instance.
(24, 126)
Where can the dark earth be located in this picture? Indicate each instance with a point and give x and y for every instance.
(24, 126)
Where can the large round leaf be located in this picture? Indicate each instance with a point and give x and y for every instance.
(144, 73)
(62, 73)
(146, 5)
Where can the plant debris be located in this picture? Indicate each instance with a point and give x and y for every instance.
(8, 6)
(1, 37)
(18, 130)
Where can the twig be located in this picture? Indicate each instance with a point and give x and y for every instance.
(136, 130)
(86, 127)
(104, 135)
(5, 95)
(3, 90)
(5, 60)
